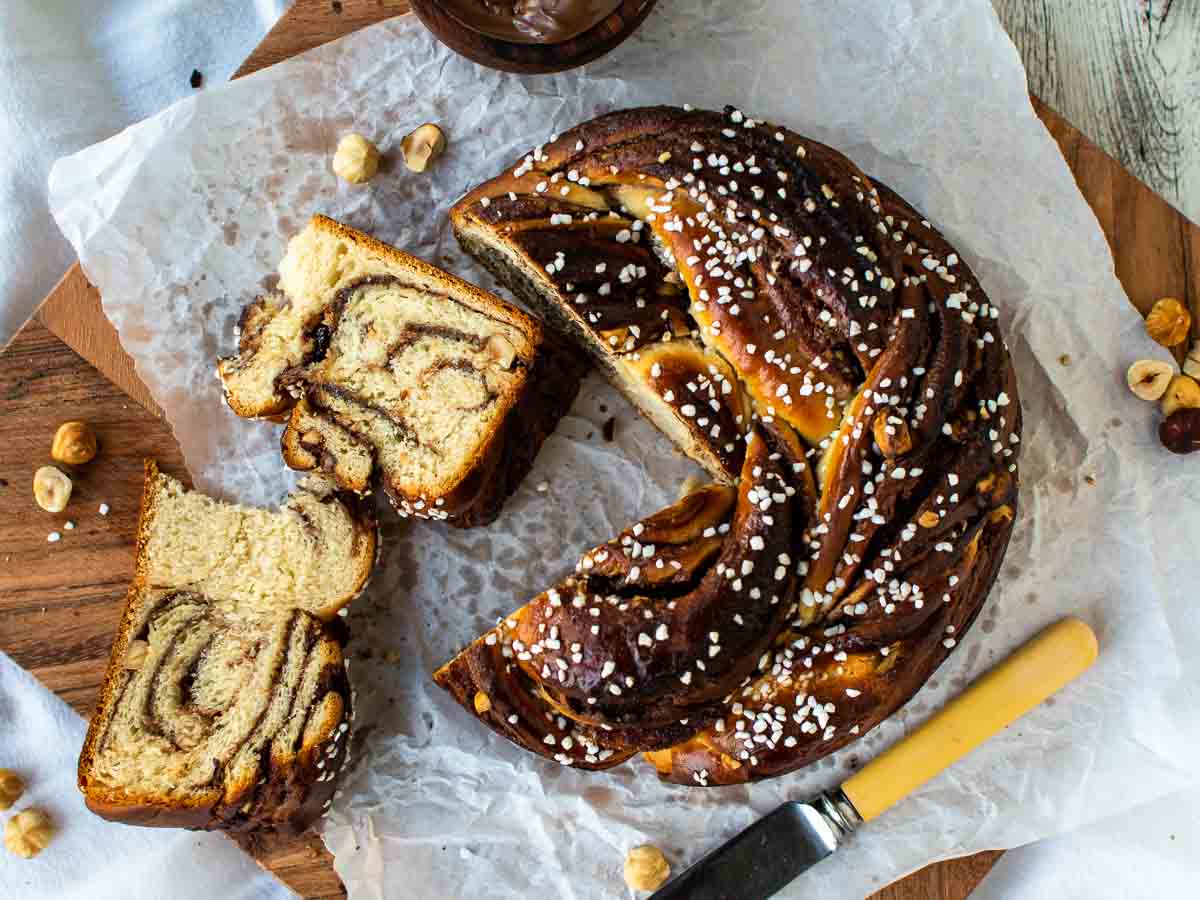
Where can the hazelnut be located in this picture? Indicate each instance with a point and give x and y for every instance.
(356, 159)
(11, 788)
(1148, 378)
(1168, 322)
(646, 869)
(1180, 431)
(483, 702)
(1191, 365)
(892, 438)
(28, 832)
(1182, 393)
(51, 489)
(74, 444)
(501, 351)
(423, 146)
(135, 655)
(928, 519)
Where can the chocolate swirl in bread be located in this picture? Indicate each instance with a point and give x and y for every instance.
(807, 336)
(226, 703)
(391, 371)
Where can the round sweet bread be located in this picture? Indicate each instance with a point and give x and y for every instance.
(807, 336)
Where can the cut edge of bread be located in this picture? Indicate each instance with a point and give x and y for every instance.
(412, 270)
(481, 300)
(337, 434)
(202, 811)
(105, 707)
(517, 271)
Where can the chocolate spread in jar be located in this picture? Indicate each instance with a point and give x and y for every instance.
(531, 21)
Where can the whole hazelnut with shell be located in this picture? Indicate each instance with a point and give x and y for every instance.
(1180, 431)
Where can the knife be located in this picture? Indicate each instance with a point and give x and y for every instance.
(769, 854)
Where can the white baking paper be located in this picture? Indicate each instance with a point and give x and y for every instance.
(180, 219)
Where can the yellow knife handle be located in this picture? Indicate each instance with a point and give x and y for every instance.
(1038, 669)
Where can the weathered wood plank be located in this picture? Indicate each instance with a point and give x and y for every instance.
(71, 589)
(1126, 73)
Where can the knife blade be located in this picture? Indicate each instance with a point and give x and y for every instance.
(763, 859)
(773, 851)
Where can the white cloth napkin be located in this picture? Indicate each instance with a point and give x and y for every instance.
(74, 73)
(1150, 851)
(89, 858)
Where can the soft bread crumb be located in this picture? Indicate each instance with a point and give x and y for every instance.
(220, 681)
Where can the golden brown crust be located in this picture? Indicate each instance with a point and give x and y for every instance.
(851, 326)
(105, 705)
(604, 664)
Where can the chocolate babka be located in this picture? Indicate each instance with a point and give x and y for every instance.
(390, 370)
(226, 703)
(805, 334)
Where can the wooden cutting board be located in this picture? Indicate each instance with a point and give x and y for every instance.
(60, 602)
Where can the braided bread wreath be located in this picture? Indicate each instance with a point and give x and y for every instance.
(820, 348)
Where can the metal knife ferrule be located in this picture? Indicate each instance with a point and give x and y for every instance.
(835, 807)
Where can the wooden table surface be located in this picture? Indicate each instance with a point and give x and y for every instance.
(1157, 252)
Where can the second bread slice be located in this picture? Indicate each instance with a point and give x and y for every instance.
(391, 371)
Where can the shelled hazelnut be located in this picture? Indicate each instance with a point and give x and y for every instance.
(135, 655)
(28, 832)
(1148, 378)
(11, 788)
(1182, 393)
(51, 489)
(422, 146)
(356, 159)
(1168, 322)
(646, 869)
(74, 444)
(501, 351)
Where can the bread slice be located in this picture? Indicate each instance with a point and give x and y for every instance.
(390, 370)
(226, 703)
(587, 265)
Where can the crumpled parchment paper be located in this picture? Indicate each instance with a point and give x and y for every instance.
(179, 221)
